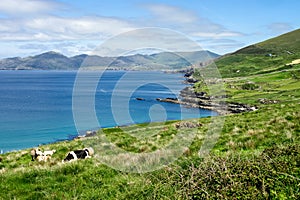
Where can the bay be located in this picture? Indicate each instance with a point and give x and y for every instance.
(36, 106)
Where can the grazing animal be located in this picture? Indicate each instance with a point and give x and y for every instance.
(49, 153)
(79, 154)
(44, 158)
(40, 158)
(33, 154)
(37, 154)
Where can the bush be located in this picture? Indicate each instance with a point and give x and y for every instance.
(273, 174)
(249, 86)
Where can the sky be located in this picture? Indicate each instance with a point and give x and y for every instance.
(72, 27)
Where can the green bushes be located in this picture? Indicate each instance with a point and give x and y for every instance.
(249, 86)
(274, 174)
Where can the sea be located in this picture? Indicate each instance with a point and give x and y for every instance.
(39, 107)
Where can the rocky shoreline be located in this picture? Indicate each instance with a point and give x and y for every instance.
(193, 99)
(202, 100)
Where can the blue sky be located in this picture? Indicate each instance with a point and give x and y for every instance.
(71, 27)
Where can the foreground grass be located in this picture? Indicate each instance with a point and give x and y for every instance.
(273, 174)
(256, 156)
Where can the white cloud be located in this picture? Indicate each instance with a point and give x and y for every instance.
(68, 35)
(222, 34)
(171, 13)
(34, 22)
(221, 46)
(20, 7)
(29, 48)
(188, 22)
(147, 38)
(207, 33)
(58, 28)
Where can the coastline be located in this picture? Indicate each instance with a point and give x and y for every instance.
(188, 98)
(42, 131)
(193, 99)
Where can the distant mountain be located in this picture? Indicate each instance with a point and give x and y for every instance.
(261, 57)
(56, 61)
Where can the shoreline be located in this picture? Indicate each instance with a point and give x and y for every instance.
(189, 99)
(192, 99)
(68, 135)
(87, 134)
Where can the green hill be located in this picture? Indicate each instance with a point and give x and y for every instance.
(266, 70)
(261, 57)
(281, 45)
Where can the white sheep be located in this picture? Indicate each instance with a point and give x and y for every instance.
(41, 156)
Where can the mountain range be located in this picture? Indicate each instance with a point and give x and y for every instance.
(55, 61)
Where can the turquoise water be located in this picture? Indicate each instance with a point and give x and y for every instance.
(36, 106)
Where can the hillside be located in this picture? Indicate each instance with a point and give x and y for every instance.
(287, 43)
(261, 57)
(56, 61)
(257, 155)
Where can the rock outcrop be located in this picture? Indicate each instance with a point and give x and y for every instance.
(140, 99)
(267, 101)
(215, 103)
(188, 74)
(169, 100)
(90, 133)
(190, 98)
(186, 124)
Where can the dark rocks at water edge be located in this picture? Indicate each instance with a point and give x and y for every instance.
(190, 98)
(89, 133)
(189, 79)
(169, 100)
(202, 100)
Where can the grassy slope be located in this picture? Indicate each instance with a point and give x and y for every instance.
(256, 156)
(254, 59)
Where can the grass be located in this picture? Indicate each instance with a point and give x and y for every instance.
(275, 84)
(261, 57)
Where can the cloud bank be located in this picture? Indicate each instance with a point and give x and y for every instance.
(30, 26)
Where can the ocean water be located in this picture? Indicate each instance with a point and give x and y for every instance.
(36, 106)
